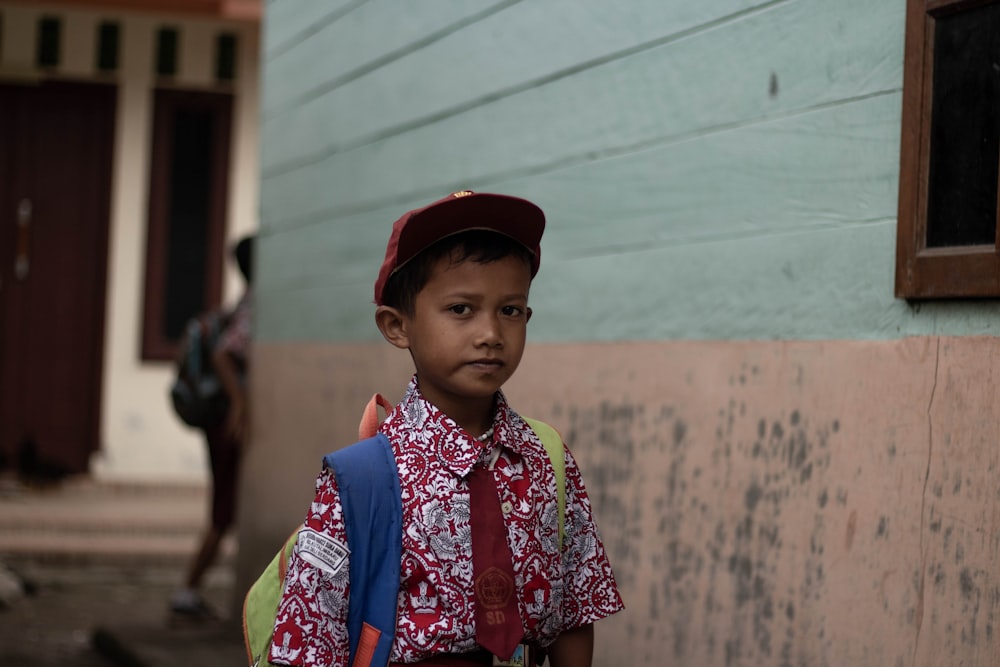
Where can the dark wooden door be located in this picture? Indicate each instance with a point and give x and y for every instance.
(56, 142)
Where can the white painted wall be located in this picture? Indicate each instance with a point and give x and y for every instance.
(141, 439)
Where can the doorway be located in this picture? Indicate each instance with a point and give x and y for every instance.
(56, 151)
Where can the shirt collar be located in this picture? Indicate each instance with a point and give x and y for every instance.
(418, 423)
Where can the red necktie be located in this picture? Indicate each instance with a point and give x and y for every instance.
(498, 622)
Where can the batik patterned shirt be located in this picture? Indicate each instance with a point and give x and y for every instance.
(557, 588)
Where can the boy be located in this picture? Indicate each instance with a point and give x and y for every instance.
(453, 291)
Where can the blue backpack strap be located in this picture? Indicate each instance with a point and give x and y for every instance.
(372, 503)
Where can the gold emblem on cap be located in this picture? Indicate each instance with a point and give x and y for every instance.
(462, 193)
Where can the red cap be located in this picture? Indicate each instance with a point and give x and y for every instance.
(459, 212)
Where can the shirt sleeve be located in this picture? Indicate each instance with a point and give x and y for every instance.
(310, 627)
(590, 590)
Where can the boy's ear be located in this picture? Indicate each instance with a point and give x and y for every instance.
(392, 323)
(528, 315)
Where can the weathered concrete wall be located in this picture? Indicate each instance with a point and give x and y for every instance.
(764, 503)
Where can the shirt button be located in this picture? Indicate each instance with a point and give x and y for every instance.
(507, 507)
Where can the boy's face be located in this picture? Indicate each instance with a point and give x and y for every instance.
(466, 334)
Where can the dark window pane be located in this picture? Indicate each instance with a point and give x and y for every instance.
(166, 51)
(49, 30)
(225, 57)
(187, 213)
(189, 218)
(965, 129)
(107, 46)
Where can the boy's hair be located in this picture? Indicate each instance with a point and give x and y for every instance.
(416, 231)
(477, 245)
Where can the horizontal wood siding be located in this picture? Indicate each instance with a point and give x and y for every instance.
(433, 62)
(717, 170)
(289, 23)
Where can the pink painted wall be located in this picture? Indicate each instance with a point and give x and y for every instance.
(763, 503)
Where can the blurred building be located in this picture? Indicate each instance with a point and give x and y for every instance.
(764, 321)
(128, 161)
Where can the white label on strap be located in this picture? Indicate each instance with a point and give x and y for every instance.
(321, 551)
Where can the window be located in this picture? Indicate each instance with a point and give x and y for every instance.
(108, 38)
(49, 38)
(187, 214)
(225, 57)
(166, 51)
(948, 239)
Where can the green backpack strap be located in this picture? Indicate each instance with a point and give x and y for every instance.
(260, 604)
(553, 444)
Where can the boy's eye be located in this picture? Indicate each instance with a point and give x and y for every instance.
(512, 311)
(460, 309)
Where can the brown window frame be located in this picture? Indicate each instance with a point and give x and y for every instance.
(939, 272)
(156, 346)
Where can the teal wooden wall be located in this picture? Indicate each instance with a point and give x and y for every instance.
(710, 170)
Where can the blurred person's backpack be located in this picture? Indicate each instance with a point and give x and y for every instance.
(372, 507)
(197, 394)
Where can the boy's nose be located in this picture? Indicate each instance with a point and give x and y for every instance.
(489, 332)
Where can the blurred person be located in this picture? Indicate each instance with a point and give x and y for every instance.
(224, 440)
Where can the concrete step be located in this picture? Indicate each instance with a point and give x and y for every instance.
(147, 551)
(83, 521)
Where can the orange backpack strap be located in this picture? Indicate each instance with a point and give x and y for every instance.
(369, 418)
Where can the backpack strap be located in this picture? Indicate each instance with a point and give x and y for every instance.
(372, 503)
(371, 500)
(553, 444)
(369, 418)
(261, 604)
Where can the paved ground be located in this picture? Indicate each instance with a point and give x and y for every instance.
(99, 563)
(94, 617)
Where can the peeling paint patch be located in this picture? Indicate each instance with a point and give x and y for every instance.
(721, 571)
(883, 527)
(749, 534)
(852, 528)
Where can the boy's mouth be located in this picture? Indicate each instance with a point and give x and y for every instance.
(487, 364)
